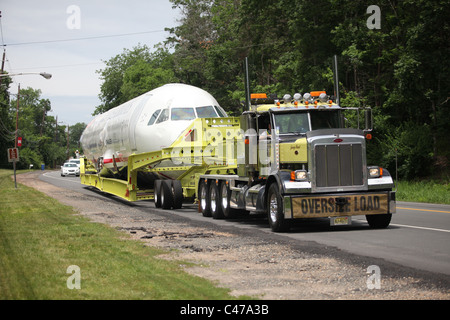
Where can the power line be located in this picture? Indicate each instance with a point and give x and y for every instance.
(62, 66)
(79, 39)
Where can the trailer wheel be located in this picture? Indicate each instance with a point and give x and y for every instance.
(275, 210)
(157, 193)
(215, 201)
(166, 194)
(177, 190)
(204, 198)
(224, 201)
(379, 221)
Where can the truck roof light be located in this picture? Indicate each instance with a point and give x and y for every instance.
(287, 98)
(317, 93)
(258, 96)
(323, 97)
(297, 96)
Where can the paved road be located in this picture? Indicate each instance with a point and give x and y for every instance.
(418, 236)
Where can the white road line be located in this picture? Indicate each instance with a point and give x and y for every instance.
(415, 227)
(58, 178)
(408, 226)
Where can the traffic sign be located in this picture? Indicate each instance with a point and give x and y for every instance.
(13, 154)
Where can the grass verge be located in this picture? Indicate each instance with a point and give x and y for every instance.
(40, 238)
(430, 191)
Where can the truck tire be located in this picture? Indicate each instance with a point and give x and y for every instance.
(275, 210)
(203, 198)
(379, 221)
(177, 190)
(166, 194)
(214, 201)
(224, 201)
(157, 193)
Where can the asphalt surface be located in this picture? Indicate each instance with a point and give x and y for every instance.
(418, 236)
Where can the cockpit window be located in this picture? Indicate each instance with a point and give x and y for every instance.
(206, 112)
(220, 112)
(182, 114)
(153, 117)
(164, 116)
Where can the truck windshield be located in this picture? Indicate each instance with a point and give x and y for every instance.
(291, 123)
(325, 119)
(298, 122)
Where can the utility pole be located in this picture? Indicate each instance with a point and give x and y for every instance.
(16, 132)
(3, 63)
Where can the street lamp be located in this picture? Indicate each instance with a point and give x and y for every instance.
(44, 74)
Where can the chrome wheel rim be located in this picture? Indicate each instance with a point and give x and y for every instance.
(213, 199)
(224, 197)
(273, 207)
(203, 196)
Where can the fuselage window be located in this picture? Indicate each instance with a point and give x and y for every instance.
(182, 114)
(153, 118)
(164, 116)
(206, 112)
(220, 112)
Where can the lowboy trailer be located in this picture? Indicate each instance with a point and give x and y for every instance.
(290, 158)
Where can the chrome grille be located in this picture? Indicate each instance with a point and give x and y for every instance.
(338, 165)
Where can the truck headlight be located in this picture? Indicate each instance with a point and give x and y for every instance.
(375, 172)
(299, 175)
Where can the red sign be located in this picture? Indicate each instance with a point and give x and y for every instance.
(13, 154)
(19, 141)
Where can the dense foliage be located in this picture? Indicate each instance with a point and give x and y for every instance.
(43, 140)
(400, 70)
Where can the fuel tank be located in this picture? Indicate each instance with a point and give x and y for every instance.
(146, 123)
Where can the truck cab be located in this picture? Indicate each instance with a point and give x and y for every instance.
(301, 161)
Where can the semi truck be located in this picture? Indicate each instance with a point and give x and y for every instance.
(289, 158)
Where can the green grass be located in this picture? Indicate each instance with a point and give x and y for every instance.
(40, 238)
(424, 191)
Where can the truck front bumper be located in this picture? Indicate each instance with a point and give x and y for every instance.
(339, 204)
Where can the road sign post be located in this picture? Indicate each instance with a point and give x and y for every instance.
(13, 156)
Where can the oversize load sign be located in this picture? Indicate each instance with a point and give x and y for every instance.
(336, 205)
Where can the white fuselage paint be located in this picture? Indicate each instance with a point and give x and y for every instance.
(128, 128)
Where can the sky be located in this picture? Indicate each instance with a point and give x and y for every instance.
(38, 36)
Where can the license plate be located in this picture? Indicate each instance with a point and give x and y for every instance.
(340, 221)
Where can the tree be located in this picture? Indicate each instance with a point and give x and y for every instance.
(401, 70)
(37, 129)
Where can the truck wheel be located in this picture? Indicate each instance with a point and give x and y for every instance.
(157, 193)
(224, 201)
(214, 198)
(177, 190)
(166, 194)
(204, 198)
(275, 210)
(379, 221)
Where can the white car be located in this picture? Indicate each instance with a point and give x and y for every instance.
(70, 169)
(76, 161)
